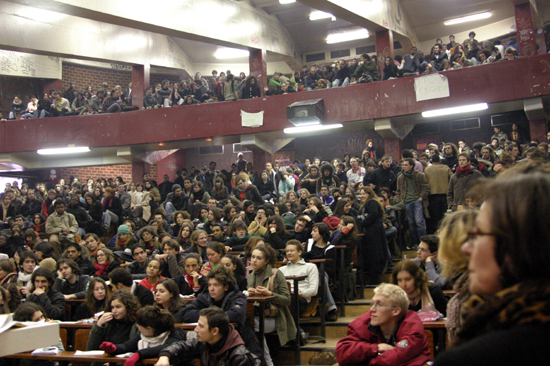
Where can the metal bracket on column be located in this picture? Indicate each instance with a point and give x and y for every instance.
(389, 130)
(253, 142)
(534, 109)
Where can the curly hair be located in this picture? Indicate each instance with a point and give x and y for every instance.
(129, 301)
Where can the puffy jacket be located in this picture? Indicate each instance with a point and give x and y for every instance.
(360, 346)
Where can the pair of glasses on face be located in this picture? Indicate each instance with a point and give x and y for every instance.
(474, 234)
(380, 305)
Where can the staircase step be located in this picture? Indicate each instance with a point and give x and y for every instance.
(334, 330)
(285, 355)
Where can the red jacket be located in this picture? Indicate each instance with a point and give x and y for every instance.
(360, 346)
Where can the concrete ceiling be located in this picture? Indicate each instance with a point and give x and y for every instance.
(200, 52)
(426, 18)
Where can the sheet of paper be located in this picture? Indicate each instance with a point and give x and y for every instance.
(89, 353)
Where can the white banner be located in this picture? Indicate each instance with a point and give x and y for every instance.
(26, 64)
(431, 86)
(252, 119)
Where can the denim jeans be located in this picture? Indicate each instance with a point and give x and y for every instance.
(170, 209)
(336, 82)
(417, 223)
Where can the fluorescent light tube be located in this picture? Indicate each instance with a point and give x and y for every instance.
(225, 53)
(287, 1)
(347, 36)
(469, 18)
(455, 110)
(63, 150)
(312, 128)
(316, 15)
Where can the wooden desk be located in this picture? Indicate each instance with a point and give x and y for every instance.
(449, 293)
(296, 314)
(341, 249)
(261, 300)
(438, 324)
(69, 356)
(322, 296)
(72, 328)
(71, 306)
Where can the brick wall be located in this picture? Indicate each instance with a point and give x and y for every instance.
(103, 171)
(94, 76)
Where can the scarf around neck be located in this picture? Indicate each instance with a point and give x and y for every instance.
(521, 304)
(149, 342)
(464, 171)
(101, 269)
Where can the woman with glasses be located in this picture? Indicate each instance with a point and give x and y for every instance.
(507, 318)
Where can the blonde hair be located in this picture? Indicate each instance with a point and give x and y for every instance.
(395, 294)
(453, 233)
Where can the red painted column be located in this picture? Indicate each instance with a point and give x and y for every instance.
(138, 169)
(538, 129)
(525, 29)
(171, 164)
(259, 158)
(140, 81)
(258, 67)
(50, 84)
(393, 147)
(384, 47)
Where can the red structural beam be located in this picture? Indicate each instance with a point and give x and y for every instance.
(499, 82)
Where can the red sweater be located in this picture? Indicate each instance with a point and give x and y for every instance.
(360, 346)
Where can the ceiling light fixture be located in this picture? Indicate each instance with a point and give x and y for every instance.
(316, 15)
(312, 128)
(225, 53)
(468, 18)
(287, 1)
(455, 110)
(63, 150)
(350, 35)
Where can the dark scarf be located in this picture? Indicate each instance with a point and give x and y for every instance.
(524, 303)
(464, 171)
(108, 202)
(101, 269)
(198, 195)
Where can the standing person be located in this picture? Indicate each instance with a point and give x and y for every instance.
(461, 182)
(413, 189)
(382, 176)
(373, 250)
(217, 343)
(438, 176)
(231, 89)
(356, 174)
(265, 280)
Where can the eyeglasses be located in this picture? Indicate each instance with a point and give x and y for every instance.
(473, 234)
(379, 305)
